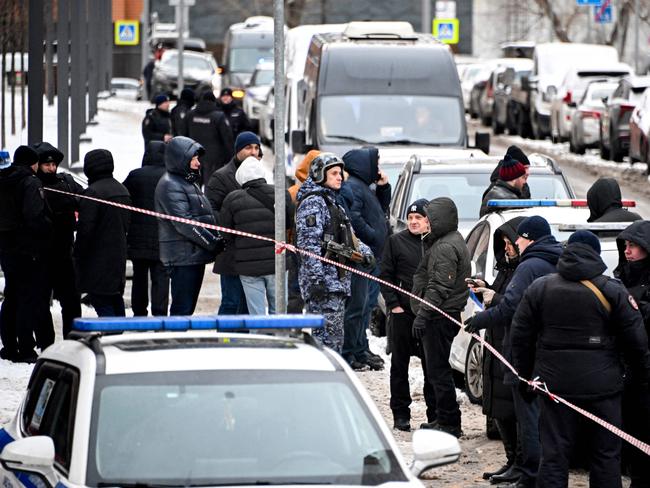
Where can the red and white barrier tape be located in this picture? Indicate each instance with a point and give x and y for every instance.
(280, 246)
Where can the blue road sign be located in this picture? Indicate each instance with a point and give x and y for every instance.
(603, 15)
(127, 33)
(588, 2)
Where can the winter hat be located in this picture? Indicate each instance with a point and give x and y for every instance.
(244, 139)
(534, 228)
(585, 237)
(250, 169)
(47, 153)
(516, 153)
(187, 95)
(25, 156)
(98, 162)
(225, 91)
(511, 169)
(418, 207)
(160, 99)
(208, 96)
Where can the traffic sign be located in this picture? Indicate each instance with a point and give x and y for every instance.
(603, 14)
(588, 2)
(446, 30)
(127, 33)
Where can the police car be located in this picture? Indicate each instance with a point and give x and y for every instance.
(193, 401)
(565, 216)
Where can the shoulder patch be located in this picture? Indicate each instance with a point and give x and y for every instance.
(311, 220)
(632, 301)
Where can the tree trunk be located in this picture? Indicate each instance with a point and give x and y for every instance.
(549, 12)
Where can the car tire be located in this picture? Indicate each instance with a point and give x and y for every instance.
(604, 152)
(491, 430)
(615, 151)
(474, 372)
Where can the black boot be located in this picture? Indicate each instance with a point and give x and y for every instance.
(509, 475)
(402, 424)
(488, 474)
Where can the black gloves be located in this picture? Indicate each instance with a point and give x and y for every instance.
(369, 261)
(419, 327)
(471, 326)
(318, 291)
(220, 245)
(526, 391)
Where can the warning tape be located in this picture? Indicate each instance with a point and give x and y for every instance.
(281, 246)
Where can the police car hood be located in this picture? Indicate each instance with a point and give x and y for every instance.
(443, 217)
(180, 151)
(363, 163)
(637, 232)
(580, 261)
(603, 195)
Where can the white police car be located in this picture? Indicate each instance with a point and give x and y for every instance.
(176, 404)
(565, 217)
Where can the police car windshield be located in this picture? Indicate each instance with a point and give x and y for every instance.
(380, 119)
(466, 189)
(210, 428)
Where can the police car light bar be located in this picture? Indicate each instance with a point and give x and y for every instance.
(579, 203)
(594, 227)
(210, 322)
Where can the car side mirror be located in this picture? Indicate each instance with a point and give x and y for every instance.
(572, 104)
(31, 455)
(298, 142)
(433, 448)
(605, 101)
(482, 141)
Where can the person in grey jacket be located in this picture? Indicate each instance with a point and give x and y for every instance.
(184, 248)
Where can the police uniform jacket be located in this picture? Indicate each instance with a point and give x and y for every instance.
(155, 125)
(237, 118)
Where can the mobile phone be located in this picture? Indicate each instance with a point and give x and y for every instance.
(472, 282)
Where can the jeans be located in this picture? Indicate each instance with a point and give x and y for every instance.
(259, 290)
(233, 301)
(142, 269)
(107, 305)
(186, 284)
(527, 434)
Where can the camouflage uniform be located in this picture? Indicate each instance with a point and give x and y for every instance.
(321, 286)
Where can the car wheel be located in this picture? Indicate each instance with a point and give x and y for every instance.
(523, 125)
(496, 127)
(474, 372)
(615, 151)
(491, 430)
(377, 323)
(604, 152)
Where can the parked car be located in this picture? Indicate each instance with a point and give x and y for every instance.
(267, 117)
(639, 129)
(585, 122)
(615, 120)
(475, 86)
(503, 110)
(128, 88)
(256, 92)
(200, 72)
(466, 73)
(570, 91)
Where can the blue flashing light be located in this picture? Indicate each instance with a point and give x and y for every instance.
(522, 203)
(208, 322)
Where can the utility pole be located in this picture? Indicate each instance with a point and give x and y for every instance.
(426, 16)
(144, 35)
(636, 36)
(180, 44)
(35, 85)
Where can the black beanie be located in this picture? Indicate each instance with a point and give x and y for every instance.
(98, 162)
(534, 228)
(208, 96)
(187, 95)
(25, 156)
(585, 237)
(418, 207)
(516, 153)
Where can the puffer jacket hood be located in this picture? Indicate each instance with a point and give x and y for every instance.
(637, 232)
(154, 155)
(579, 261)
(179, 153)
(363, 163)
(206, 106)
(250, 169)
(302, 171)
(509, 230)
(98, 164)
(443, 218)
(603, 195)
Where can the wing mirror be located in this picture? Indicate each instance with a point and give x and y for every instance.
(433, 448)
(34, 455)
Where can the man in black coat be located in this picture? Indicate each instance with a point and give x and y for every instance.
(221, 183)
(402, 255)
(157, 124)
(208, 126)
(61, 209)
(571, 329)
(252, 209)
(605, 205)
(24, 232)
(100, 248)
(180, 112)
(513, 175)
(142, 238)
(236, 116)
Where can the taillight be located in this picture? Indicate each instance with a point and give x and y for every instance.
(490, 91)
(589, 114)
(567, 97)
(626, 108)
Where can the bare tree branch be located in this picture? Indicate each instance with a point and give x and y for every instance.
(556, 21)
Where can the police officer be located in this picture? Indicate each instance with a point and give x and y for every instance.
(401, 257)
(237, 118)
(61, 208)
(319, 220)
(24, 228)
(570, 329)
(157, 123)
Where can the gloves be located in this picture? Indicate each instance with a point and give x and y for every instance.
(419, 327)
(318, 291)
(487, 293)
(526, 391)
(471, 326)
(220, 245)
(369, 261)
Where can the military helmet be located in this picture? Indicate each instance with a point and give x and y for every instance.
(321, 164)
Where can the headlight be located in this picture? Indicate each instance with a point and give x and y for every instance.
(238, 93)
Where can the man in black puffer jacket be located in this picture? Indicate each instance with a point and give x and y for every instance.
(605, 205)
(571, 328)
(185, 249)
(252, 209)
(440, 280)
(100, 248)
(208, 126)
(142, 239)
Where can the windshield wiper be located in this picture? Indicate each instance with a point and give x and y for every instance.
(349, 138)
(408, 142)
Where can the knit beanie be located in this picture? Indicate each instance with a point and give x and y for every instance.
(418, 207)
(511, 169)
(25, 156)
(187, 95)
(98, 162)
(208, 96)
(226, 91)
(516, 153)
(585, 237)
(160, 99)
(244, 139)
(534, 228)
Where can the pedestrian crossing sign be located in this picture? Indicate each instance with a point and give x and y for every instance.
(446, 30)
(127, 32)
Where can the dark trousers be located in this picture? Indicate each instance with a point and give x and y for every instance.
(63, 286)
(636, 422)
(295, 303)
(558, 428)
(403, 346)
(353, 326)
(527, 435)
(108, 305)
(143, 270)
(436, 343)
(25, 308)
(507, 428)
(186, 284)
(233, 299)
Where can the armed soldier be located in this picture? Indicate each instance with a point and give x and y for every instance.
(323, 228)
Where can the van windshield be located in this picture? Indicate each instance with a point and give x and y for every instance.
(378, 119)
(244, 59)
